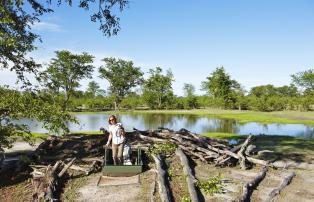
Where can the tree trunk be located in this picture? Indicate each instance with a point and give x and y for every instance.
(283, 184)
(190, 179)
(164, 191)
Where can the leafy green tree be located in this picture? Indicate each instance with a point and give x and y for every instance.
(132, 101)
(93, 88)
(304, 80)
(15, 105)
(190, 98)
(157, 89)
(219, 85)
(122, 77)
(188, 89)
(17, 38)
(288, 91)
(265, 90)
(66, 70)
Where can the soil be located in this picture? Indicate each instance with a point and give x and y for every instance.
(17, 187)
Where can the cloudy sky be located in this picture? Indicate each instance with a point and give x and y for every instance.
(258, 42)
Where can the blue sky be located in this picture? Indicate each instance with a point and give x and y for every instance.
(258, 42)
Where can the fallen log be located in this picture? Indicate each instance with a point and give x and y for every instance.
(164, 191)
(66, 167)
(249, 187)
(285, 182)
(190, 179)
(241, 153)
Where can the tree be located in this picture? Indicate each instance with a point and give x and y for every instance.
(304, 80)
(66, 70)
(220, 86)
(188, 89)
(264, 90)
(17, 38)
(93, 88)
(122, 77)
(190, 99)
(157, 89)
(15, 105)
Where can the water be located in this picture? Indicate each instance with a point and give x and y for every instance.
(197, 124)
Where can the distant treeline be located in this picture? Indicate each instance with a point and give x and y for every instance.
(129, 90)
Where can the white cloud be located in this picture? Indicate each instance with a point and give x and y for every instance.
(47, 26)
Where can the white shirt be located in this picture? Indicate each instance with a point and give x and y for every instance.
(115, 130)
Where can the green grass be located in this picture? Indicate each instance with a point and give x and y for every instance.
(285, 145)
(283, 117)
(222, 135)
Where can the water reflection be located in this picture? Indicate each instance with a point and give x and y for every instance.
(197, 124)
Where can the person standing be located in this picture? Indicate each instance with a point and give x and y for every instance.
(117, 136)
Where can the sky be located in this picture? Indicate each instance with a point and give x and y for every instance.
(257, 42)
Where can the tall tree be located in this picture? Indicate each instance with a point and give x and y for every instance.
(188, 89)
(15, 105)
(66, 70)
(93, 88)
(17, 38)
(304, 79)
(190, 98)
(122, 77)
(220, 85)
(157, 89)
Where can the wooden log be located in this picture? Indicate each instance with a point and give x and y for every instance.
(51, 181)
(249, 187)
(66, 167)
(194, 146)
(190, 152)
(93, 167)
(241, 153)
(190, 179)
(152, 139)
(78, 168)
(285, 182)
(164, 191)
(153, 189)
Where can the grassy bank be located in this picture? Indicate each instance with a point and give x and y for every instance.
(284, 117)
(285, 145)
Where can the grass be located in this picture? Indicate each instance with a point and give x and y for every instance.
(285, 145)
(283, 117)
(70, 194)
(222, 135)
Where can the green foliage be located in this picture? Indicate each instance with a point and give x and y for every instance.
(122, 77)
(16, 41)
(220, 85)
(211, 186)
(167, 148)
(304, 79)
(15, 105)
(93, 88)
(157, 89)
(186, 199)
(65, 71)
(132, 101)
(16, 38)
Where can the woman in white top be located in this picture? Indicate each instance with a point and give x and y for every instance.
(117, 135)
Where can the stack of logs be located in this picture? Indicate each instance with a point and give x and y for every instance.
(78, 148)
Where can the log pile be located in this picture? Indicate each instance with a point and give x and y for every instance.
(45, 180)
(84, 154)
(205, 149)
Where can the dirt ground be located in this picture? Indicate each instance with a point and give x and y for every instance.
(18, 188)
(116, 189)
